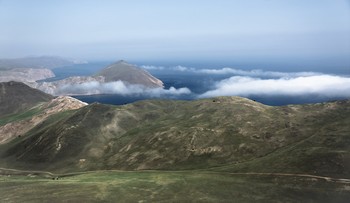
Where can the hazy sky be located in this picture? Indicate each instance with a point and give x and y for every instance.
(247, 30)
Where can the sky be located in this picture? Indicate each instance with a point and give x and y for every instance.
(313, 33)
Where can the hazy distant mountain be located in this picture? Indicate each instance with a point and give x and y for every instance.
(132, 74)
(38, 62)
(16, 97)
(235, 133)
(86, 85)
(31, 69)
(26, 75)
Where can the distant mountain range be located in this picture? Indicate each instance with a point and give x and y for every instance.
(31, 70)
(231, 134)
(38, 62)
(26, 75)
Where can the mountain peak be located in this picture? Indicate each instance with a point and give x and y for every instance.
(123, 71)
(122, 61)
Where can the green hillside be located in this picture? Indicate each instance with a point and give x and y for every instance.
(225, 134)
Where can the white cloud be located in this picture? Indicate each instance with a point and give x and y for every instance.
(234, 71)
(256, 73)
(117, 87)
(174, 68)
(183, 69)
(152, 67)
(322, 85)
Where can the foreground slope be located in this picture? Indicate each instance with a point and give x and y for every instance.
(234, 133)
(159, 186)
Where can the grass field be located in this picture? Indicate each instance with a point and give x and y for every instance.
(167, 186)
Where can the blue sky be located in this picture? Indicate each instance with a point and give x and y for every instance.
(314, 31)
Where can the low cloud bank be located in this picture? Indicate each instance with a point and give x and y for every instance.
(264, 84)
(118, 87)
(234, 71)
(147, 67)
(322, 85)
(174, 68)
(256, 73)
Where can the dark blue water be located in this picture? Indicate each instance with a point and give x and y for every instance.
(197, 83)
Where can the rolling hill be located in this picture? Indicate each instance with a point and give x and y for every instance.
(208, 150)
(224, 134)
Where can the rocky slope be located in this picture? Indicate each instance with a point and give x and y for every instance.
(231, 132)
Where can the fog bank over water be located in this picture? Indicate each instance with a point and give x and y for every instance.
(188, 83)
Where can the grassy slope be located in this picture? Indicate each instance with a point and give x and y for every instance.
(235, 133)
(325, 152)
(310, 139)
(169, 187)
